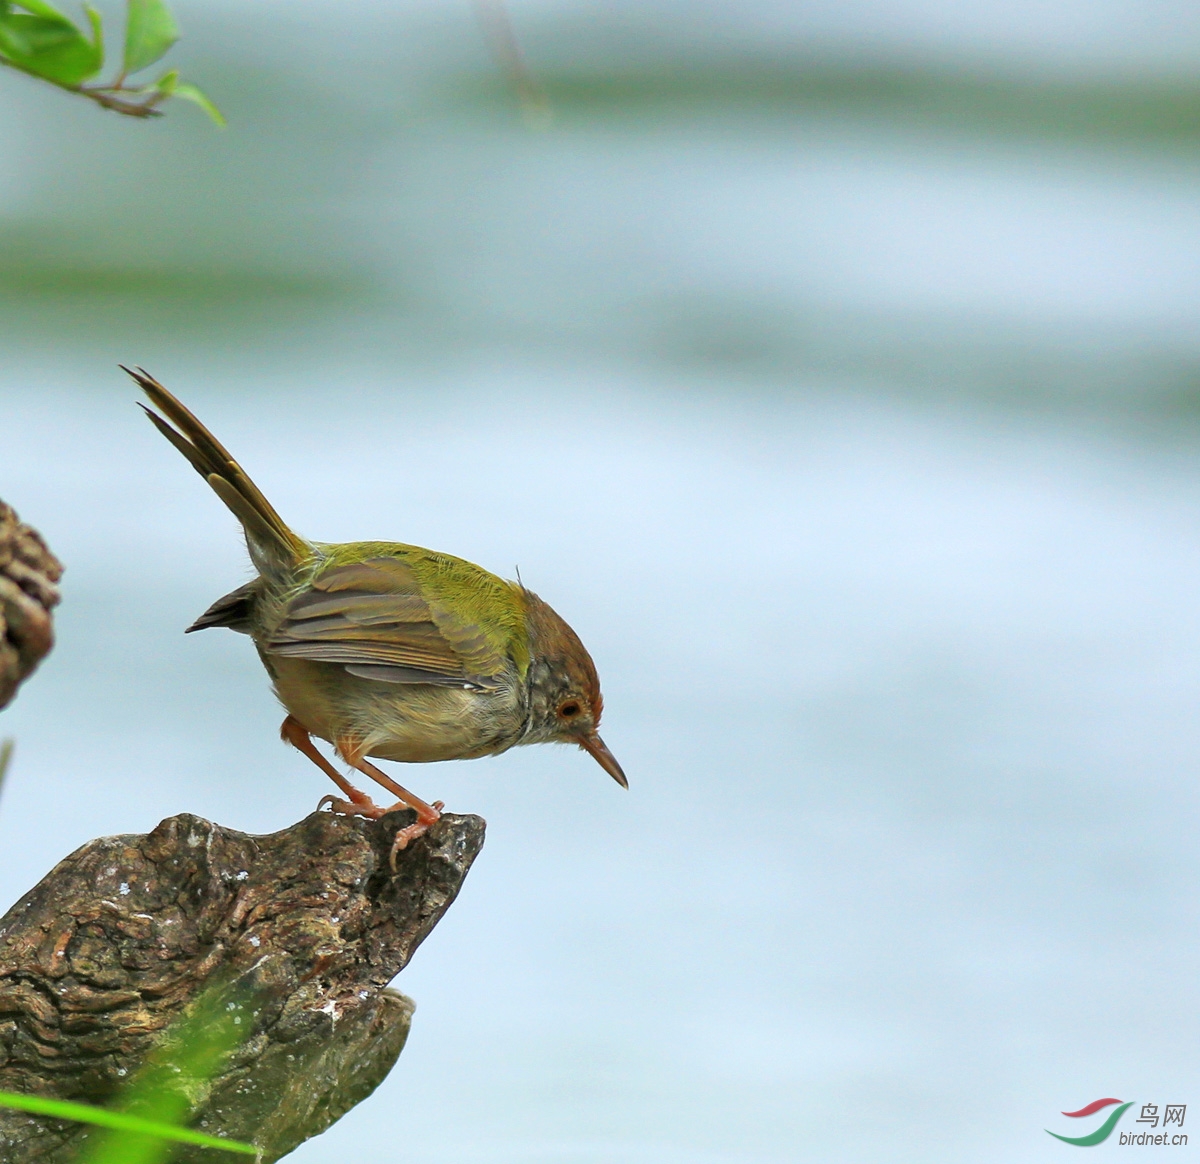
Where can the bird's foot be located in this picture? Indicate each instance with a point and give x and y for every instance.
(417, 829)
(366, 807)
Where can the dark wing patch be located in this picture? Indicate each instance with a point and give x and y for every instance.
(232, 611)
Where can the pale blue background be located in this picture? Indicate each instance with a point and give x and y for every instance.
(858, 443)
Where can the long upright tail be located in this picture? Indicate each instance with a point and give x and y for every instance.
(272, 545)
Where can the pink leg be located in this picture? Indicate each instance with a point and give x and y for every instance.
(356, 803)
(427, 814)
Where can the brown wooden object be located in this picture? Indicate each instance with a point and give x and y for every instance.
(112, 945)
(28, 592)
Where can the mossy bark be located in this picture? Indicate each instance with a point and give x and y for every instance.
(114, 944)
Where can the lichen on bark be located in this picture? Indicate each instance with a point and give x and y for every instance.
(112, 946)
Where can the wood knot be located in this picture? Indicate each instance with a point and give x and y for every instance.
(29, 574)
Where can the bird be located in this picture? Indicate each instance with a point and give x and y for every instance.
(388, 650)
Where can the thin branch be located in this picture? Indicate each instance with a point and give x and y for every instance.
(502, 38)
(102, 95)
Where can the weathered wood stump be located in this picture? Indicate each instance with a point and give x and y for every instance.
(116, 941)
(28, 592)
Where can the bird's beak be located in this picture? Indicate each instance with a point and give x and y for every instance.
(600, 753)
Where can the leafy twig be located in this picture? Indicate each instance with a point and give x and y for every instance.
(40, 41)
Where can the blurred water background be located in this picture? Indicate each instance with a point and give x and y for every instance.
(834, 369)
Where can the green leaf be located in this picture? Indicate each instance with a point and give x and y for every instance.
(84, 1113)
(151, 30)
(44, 42)
(97, 27)
(41, 8)
(167, 82)
(191, 93)
(12, 43)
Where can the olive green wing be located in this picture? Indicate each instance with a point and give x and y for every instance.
(395, 620)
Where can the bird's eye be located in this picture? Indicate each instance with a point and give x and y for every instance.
(569, 710)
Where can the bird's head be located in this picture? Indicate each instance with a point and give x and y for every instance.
(564, 690)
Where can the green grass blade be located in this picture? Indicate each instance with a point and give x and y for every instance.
(170, 1084)
(121, 1121)
(148, 1116)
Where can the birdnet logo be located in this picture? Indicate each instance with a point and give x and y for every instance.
(1172, 1115)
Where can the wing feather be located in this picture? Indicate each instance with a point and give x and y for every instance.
(371, 616)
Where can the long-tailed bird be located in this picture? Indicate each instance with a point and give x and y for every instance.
(389, 650)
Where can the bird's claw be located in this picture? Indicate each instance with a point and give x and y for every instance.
(411, 832)
(367, 808)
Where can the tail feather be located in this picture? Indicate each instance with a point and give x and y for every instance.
(271, 541)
